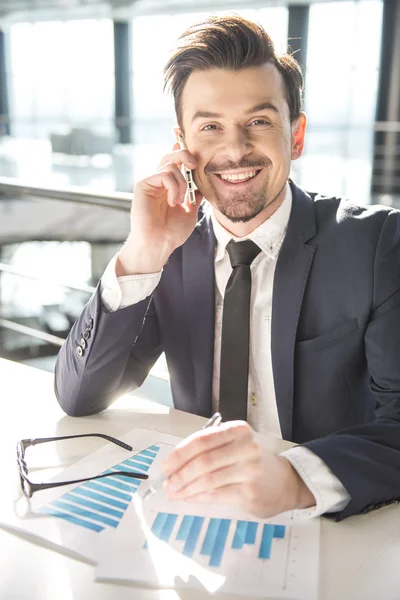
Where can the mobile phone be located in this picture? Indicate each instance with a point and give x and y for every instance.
(188, 174)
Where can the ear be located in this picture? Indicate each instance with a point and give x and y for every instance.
(298, 136)
(178, 133)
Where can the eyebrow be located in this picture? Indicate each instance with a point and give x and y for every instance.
(204, 114)
(263, 106)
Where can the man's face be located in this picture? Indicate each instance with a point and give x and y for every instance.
(237, 125)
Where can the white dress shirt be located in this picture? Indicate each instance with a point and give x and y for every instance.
(262, 412)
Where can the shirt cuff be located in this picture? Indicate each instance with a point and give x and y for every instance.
(120, 292)
(329, 492)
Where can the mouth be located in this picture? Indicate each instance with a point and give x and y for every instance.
(238, 178)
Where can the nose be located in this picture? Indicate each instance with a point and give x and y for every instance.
(236, 144)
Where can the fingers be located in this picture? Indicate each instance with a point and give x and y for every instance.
(226, 465)
(169, 179)
(205, 441)
(230, 494)
(179, 157)
(235, 494)
(211, 459)
(174, 170)
(179, 488)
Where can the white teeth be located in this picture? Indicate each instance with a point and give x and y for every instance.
(238, 176)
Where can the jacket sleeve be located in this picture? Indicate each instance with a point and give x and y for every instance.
(120, 349)
(366, 458)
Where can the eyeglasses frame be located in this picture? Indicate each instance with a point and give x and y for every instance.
(32, 487)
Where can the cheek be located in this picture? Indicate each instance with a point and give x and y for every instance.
(279, 139)
(199, 173)
(200, 178)
(279, 152)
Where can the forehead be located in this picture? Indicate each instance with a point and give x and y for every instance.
(232, 93)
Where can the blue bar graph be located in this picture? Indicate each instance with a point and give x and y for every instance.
(219, 544)
(185, 527)
(105, 491)
(134, 465)
(159, 523)
(168, 527)
(130, 485)
(88, 493)
(279, 531)
(149, 453)
(245, 533)
(269, 532)
(209, 540)
(216, 535)
(251, 532)
(266, 541)
(85, 513)
(67, 517)
(117, 514)
(99, 504)
(193, 536)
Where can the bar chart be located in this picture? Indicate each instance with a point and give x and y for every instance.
(101, 504)
(187, 529)
(172, 544)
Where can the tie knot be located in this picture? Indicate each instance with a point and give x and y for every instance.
(242, 253)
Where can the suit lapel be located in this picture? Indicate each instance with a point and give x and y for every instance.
(199, 297)
(291, 274)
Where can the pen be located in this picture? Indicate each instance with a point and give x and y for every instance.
(214, 420)
(188, 174)
(158, 483)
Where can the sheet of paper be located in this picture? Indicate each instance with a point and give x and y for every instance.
(168, 544)
(74, 517)
(213, 548)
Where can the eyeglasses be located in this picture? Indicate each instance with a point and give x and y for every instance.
(29, 488)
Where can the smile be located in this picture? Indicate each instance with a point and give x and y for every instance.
(238, 177)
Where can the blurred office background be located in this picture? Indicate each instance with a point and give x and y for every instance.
(83, 116)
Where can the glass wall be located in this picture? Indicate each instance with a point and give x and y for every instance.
(340, 97)
(61, 73)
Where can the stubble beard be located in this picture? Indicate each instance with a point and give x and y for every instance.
(237, 206)
(241, 207)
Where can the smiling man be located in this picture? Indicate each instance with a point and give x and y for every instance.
(247, 113)
(278, 307)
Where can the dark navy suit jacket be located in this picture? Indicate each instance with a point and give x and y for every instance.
(335, 340)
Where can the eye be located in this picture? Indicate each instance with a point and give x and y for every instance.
(209, 127)
(260, 122)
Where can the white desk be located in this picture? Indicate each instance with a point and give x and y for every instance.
(360, 557)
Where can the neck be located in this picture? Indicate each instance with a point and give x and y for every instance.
(240, 230)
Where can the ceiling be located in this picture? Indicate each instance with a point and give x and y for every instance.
(12, 11)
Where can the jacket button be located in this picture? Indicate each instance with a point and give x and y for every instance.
(79, 351)
(90, 324)
(82, 343)
(86, 334)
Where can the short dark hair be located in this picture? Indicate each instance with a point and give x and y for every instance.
(230, 42)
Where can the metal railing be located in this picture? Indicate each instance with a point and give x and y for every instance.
(116, 200)
(10, 188)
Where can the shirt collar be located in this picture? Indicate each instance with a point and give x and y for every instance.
(268, 236)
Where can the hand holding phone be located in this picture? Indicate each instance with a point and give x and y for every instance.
(188, 175)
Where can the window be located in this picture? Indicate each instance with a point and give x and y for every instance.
(340, 97)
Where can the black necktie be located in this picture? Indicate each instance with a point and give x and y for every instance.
(235, 339)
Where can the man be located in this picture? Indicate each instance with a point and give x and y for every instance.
(321, 367)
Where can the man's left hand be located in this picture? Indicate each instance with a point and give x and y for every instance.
(226, 464)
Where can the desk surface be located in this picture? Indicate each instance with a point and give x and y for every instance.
(360, 557)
